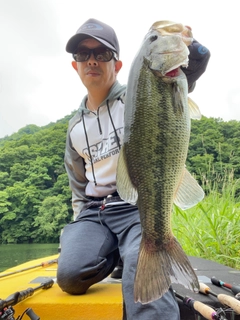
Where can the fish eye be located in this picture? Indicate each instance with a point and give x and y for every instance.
(153, 38)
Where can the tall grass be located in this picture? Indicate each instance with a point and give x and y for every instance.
(211, 229)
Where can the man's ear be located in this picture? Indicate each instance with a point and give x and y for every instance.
(118, 65)
(74, 64)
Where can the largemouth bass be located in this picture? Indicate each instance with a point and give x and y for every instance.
(151, 168)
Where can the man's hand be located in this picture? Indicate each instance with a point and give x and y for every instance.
(198, 59)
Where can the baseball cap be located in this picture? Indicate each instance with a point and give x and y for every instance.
(95, 29)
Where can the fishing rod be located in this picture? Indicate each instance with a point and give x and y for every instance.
(6, 310)
(223, 298)
(199, 307)
(235, 289)
(43, 264)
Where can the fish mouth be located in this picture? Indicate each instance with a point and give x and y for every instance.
(173, 73)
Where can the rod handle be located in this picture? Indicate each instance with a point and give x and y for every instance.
(235, 289)
(230, 301)
(206, 311)
(217, 282)
(203, 288)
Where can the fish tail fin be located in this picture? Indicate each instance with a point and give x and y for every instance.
(160, 269)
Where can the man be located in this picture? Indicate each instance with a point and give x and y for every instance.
(104, 225)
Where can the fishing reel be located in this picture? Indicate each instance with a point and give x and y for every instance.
(8, 314)
(6, 309)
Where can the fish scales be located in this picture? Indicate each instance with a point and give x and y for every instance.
(162, 154)
(152, 164)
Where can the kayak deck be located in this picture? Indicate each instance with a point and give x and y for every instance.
(102, 301)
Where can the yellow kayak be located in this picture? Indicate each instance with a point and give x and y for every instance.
(103, 300)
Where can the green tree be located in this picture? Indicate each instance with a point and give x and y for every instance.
(34, 185)
(4, 180)
(16, 222)
(52, 216)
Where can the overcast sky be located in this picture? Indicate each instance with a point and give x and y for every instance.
(38, 84)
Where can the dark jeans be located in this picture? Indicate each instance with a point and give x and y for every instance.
(89, 253)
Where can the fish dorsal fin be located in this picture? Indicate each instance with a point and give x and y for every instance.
(125, 187)
(194, 110)
(189, 192)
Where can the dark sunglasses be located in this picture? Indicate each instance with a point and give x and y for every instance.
(102, 54)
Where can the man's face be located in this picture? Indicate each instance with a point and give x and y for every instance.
(96, 74)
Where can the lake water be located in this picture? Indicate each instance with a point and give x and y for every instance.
(14, 254)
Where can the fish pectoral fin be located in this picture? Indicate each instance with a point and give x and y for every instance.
(194, 110)
(189, 192)
(125, 188)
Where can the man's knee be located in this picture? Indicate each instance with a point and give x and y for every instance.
(76, 279)
(72, 283)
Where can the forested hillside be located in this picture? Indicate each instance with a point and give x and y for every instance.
(35, 200)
